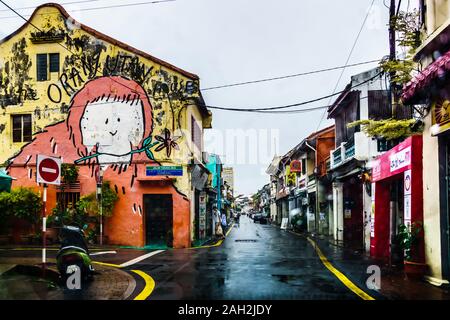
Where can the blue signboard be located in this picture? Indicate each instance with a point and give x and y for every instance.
(164, 171)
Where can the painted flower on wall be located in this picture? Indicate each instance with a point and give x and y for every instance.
(167, 142)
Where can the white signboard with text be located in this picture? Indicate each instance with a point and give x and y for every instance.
(407, 185)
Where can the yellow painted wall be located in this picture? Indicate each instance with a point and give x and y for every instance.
(438, 12)
(19, 52)
(431, 210)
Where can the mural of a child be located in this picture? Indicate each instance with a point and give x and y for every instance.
(109, 124)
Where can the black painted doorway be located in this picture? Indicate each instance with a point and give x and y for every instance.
(158, 219)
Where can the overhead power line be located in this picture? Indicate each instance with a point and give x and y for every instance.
(269, 110)
(272, 109)
(287, 76)
(105, 7)
(61, 45)
(259, 110)
(348, 57)
(63, 3)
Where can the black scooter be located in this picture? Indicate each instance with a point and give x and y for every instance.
(73, 252)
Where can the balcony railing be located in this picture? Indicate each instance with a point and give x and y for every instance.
(341, 154)
(349, 150)
(336, 155)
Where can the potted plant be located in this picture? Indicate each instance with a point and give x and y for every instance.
(409, 240)
(25, 205)
(89, 206)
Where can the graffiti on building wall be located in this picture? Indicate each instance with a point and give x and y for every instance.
(167, 142)
(87, 59)
(14, 77)
(114, 118)
(107, 106)
(109, 124)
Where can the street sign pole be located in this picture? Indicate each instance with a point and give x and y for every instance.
(99, 180)
(99, 188)
(44, 227)
(48, 171)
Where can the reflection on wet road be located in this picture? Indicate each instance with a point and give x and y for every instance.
(254, 262)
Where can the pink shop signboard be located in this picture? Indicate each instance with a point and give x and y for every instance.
(394, 161)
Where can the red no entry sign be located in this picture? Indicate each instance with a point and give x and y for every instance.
(48, 170)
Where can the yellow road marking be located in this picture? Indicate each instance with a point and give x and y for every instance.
(229, 230)
(218, 243)
(107, 264)
(37, 249)
(149, 285)
(346, 281)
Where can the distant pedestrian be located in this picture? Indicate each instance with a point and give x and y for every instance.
(223, 220)
(237, 218)
(219, 231)
(217, 223)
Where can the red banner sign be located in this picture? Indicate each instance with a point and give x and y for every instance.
(296, 166)
(394, 161)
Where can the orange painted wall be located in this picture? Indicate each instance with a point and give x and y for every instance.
(325, 143)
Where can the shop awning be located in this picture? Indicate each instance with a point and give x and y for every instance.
(348, 174)
(5, 181)
(435, 71)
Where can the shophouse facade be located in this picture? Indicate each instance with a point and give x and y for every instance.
(72, 92)
(429, 93)
(365, 97)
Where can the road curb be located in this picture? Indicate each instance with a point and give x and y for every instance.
(131, 281)
(336, 272)
(35, 271)
(218, 243)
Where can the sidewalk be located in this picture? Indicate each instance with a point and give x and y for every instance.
(394, 283)
(21, 279)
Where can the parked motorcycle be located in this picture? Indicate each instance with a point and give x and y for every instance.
(73, 252)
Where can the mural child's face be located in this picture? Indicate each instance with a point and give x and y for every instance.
(115, 127)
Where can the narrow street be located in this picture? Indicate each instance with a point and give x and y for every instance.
(134, 136)
(255, 262)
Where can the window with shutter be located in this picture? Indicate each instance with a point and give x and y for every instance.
(41, 67)
(54, 62)
(196, 133)
(17, 128)
(26, 127)
(21, 128)
(379, 106)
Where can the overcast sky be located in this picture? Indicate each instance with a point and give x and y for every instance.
(228, 41)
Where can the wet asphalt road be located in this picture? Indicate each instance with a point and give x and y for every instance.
(255, 262)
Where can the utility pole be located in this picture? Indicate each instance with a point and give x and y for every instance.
(393, 99)
(392, 57)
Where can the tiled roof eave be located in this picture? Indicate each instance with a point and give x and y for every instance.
(436, 70)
